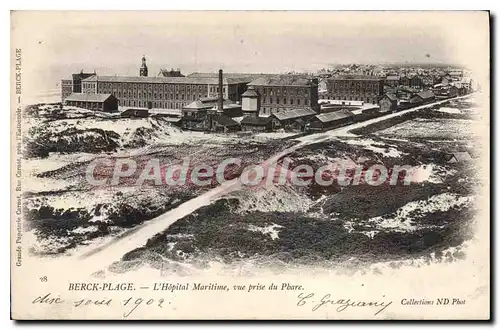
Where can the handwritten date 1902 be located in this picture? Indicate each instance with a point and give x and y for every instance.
(131, 303)
(134, 303)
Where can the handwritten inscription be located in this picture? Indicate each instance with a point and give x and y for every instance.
(316, 302)
(131, 304)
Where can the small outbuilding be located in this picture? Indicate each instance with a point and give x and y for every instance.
(224, 124)
(288, 119)
(422, 98)
(388, 103)
(256, 124)
(330, 120)
(95, 102)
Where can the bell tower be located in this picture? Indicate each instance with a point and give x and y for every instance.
(143, 72)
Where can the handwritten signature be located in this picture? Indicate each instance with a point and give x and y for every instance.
(340, 304)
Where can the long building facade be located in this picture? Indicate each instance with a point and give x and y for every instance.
(286, 92)
(276, 92)
(163, 92)
(355, 88)
(166, 92)
(153, 92)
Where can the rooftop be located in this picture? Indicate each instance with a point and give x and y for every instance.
(282, 80)
(88, 97)
(426, 94)
(250, 92)
(170, 73)
(209, 103)
(355, 77)
(82, 75)
(226, 121)
(336, 115)
(251, 120)
(231, 76)
(295, 113)
(162, 80)
(391, 97)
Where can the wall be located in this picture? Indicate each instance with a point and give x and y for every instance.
(365, 90)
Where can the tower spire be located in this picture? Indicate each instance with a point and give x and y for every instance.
(143, 71)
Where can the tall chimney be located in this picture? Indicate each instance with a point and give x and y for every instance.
(221, 94)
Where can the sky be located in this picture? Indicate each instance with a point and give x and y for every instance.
(56, 44)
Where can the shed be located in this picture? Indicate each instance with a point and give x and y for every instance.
(288, 118)
(256, 124)
(331, 119)
(225, 124)
(388, 103)
(96, 102)
(423, 97)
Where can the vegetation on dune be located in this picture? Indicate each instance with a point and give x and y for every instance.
(71, 223)
(216, 230)
(71, 140)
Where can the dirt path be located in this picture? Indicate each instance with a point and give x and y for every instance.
(100, 257)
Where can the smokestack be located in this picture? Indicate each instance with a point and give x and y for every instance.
(221, 94)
